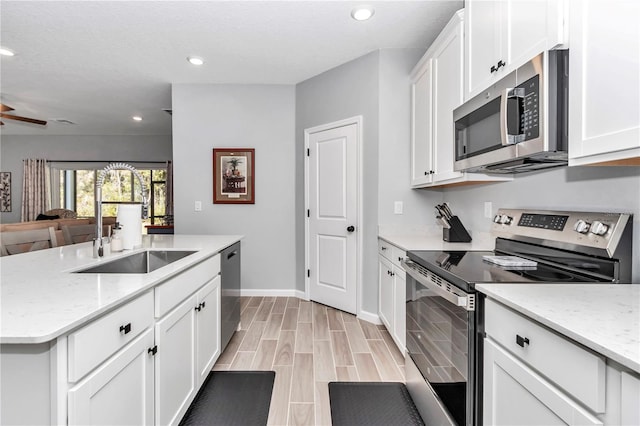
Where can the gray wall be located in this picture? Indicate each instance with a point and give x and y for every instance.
(394, 152)
(599, 189)
(342, 92)
(13, 149)
(243, 116)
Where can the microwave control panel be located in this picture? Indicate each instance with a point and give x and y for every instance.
(525, 100)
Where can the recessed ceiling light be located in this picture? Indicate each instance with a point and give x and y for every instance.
(362, 13)
(137, 118)
(195, 60)
(6, 52)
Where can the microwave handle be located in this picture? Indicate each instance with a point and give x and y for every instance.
(509, 93)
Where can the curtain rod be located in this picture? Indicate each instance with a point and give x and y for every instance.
(108, 161)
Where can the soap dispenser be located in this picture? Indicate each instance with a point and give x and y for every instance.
(116, 241)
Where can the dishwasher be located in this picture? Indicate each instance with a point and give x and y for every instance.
(230, 293)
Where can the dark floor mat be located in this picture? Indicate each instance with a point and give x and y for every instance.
(372, 404)
(232, 398)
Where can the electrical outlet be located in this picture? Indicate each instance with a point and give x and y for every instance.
(397, 207)
(198, 206)
(488, 209)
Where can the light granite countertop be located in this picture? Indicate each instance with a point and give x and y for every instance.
(602, 317)
(42, 298)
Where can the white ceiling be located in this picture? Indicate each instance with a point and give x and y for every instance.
(99, 63)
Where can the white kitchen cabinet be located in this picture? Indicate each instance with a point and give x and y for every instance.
(523, 384)
(207, 329)
(437, 89)
(188, 345)
(604, 82)
(118, 392)
(392, 291)
(514, 394)
(175, 363)
(385, 292)
(501, 35)
(630, 399)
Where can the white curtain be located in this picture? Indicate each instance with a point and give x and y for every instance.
(169, 197)
(36, 197)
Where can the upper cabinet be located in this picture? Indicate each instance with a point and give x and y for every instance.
(604, 82)
(504, 34)
(437, 89)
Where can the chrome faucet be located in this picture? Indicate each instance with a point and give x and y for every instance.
(98, 242)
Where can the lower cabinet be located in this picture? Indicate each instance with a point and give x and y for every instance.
(533, 375)
(392, 290)
(514, 394)
(118, 392)
(188, 345)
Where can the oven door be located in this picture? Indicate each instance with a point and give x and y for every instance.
(440, 340)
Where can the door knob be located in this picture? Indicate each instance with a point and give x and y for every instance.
(351, 228)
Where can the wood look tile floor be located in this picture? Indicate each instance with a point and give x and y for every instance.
(308, 345)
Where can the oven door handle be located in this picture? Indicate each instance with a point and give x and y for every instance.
(446, 291)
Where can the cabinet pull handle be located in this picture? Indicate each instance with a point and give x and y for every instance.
(383, 248)
(153, 350)
(501, 63)
(233, 253)
(124, 329)
(399, 259)
(521, 341)
(203, 305)
(493, 69)
(426, 173)
(198, 308)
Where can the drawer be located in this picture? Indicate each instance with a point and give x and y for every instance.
(169, 294)
(97, 341)
(398, 256)
(385, 249)
(577, 370)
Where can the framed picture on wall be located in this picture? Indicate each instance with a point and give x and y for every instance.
(233, 176)
(5, 191)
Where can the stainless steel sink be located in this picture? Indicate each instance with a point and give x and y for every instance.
(138, 263)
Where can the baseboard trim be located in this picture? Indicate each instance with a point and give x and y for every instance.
(369, 317)
(247, 292)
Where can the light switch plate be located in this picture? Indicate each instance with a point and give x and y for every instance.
(488, 209)
(198, 206)
(397, 207)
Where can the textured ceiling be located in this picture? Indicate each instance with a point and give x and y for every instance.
(98, 63)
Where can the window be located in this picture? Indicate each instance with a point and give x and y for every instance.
(74, 189)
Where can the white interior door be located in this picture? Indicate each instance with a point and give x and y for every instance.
(332, 216)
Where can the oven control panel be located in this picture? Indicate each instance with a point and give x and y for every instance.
(545, 221)
(597, 230)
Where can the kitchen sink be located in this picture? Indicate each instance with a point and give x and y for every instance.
(138, 263)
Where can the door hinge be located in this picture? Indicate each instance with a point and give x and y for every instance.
(308, 273)
(308, 152)
(308, 213)
(153, 350)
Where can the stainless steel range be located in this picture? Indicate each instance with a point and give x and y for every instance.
(445, 320)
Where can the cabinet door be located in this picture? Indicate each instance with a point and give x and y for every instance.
(399, 308)
(515, 395)
(529, 28)
(482, 32)
(385, 292)
(207, 328)
(175, 363)
(118, 392)
(447, 95)
(421, 122)
(630, 396)
(604, 65)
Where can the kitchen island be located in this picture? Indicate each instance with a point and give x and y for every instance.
(74, 345)
(569, 351)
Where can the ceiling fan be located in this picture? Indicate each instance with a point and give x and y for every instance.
(6, 108)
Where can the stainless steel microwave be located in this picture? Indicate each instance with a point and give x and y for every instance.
(520, 123)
